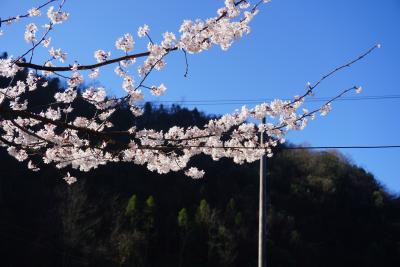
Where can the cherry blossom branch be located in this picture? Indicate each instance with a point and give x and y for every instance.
(115, 60)
(48, 29)
(85, 67)
(10, 114)
(107, 136)
(326, 106)
(30, 132)
(18, 62)
(310, 88)
(29, 14)
(369, 51)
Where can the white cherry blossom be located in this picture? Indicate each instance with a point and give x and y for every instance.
(101, 55)
(143, 30)
(34, 12)
(125, 43)
(30, 32)
(195, 173)
(57, 17)
(69, 179)
(157, 91)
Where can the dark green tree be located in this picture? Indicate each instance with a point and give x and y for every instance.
(183, 223)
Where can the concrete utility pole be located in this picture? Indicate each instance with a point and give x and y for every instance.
(261, 210)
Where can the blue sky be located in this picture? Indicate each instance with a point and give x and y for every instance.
(292, 42)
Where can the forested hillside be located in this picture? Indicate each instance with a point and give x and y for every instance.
(323, 210)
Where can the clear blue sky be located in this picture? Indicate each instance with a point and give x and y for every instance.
(292, 42)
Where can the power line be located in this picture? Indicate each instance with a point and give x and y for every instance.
(254, 101)
(344, 147)
(312, 98)
(172, 147)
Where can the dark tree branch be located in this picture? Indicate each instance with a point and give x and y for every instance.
(312, 87)
(85, 67)
(25, 15)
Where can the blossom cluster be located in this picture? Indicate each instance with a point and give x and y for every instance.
(231, 23)
(86, 142)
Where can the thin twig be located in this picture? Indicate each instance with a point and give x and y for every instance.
(186, 62)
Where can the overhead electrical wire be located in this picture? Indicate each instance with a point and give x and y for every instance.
(206, 102)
